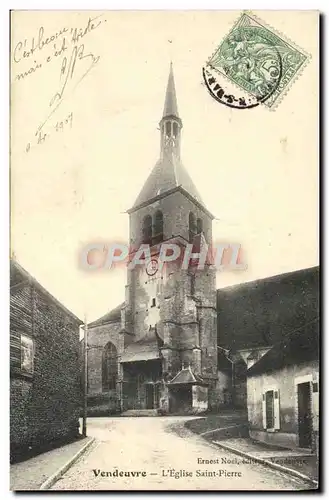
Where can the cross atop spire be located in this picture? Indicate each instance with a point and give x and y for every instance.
(170, 107)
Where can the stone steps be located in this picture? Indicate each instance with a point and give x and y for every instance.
(140, 413)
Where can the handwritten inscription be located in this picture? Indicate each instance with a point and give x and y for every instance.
(59, 126)
(67, 49)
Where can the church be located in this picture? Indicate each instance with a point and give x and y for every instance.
(177, 345)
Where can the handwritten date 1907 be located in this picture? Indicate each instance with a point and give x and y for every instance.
(60, 126)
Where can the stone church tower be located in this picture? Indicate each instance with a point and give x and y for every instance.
(168, 354)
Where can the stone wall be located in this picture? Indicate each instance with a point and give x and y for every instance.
(181, 303)
(44, 405)
(102, 402)
(175, 208)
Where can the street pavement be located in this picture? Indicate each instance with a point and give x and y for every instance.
(159, 453)
(30, 474)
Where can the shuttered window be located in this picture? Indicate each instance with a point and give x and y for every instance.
(269, 400)
(271, 410)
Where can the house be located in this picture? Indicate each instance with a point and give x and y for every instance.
(45, 391)
(283, 391)
(252, 317)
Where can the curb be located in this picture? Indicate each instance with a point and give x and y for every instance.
(273, 465)
(216, 430)
(46, 485)
(203, 434)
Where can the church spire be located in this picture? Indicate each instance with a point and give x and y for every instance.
(170, 106)
(168, 173)
(170, 124)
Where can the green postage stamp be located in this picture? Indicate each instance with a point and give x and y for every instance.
(258, 61)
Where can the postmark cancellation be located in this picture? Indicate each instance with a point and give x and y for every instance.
(256, 59)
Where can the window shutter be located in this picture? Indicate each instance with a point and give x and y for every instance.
(315, 401)
(264, 411)
(276, 410)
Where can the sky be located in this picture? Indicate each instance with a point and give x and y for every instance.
(72, 183)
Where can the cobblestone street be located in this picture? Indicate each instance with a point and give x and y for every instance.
(161, 454)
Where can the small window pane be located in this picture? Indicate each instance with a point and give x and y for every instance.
(26, 354)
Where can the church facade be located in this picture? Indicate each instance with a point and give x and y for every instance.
(166, 346)
(176, 344)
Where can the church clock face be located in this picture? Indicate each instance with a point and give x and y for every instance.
(152, 267)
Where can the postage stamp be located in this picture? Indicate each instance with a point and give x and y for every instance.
(255, 59)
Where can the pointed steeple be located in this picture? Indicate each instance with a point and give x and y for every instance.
(169, 172)
(170, 106)
(170, 124)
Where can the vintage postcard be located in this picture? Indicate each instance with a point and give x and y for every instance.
(164, 284)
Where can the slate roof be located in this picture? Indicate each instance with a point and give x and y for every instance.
(114, 315)
(260, 313)
(144, 349)
(19, 275)
(168, 173)
(134, 352)
(186, 376)
(299, 346)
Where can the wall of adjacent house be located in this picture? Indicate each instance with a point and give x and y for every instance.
(44, 404)
(224, 389)
(101, 402)
(283, 381)
(239, 394)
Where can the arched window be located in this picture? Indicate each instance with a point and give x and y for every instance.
(147, 229)
(158, 227)
(109, 367)
(192, 226)
(199, 226)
